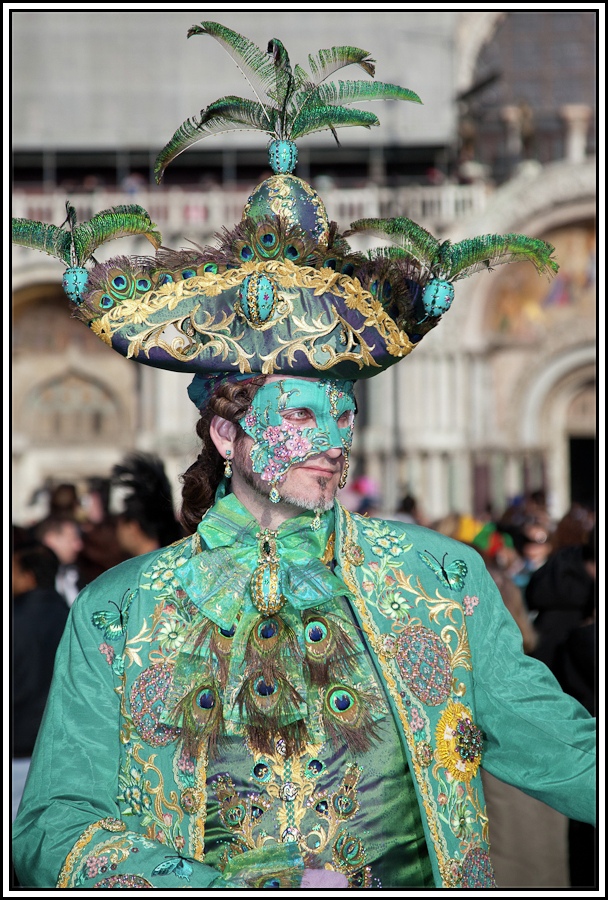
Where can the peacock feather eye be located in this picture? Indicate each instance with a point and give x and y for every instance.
(268, 629)
(106, 302)
(373, 288)
(188, 273)
(143, 284)
(292, 252)
(165, 278)
(119, 282)
(205, 699)
(269, 239)
(264, 688)
(341, 700)
(228, 632)
(246, 253)
(387, 290)
(316, 631)
(331, 263)
(211, 267)
(348, 269)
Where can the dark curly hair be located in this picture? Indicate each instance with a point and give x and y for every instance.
(230, 401)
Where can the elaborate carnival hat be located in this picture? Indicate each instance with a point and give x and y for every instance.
(282, 292)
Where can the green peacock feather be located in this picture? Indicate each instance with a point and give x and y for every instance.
(449, 262)
(289, 102)
(75, 245)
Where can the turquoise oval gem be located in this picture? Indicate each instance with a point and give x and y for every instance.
(283, 156)
(258, 299)
(437, 297)
(74, 282)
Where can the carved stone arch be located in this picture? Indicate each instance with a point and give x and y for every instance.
(473, 31)
(534, 203)
(72, 408)
(548, 388)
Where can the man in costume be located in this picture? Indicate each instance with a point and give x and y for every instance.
(292, 696)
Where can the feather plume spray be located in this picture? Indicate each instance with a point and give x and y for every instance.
(289, 102)
(75, 246)
(442, 263)
(450, 262)
(213, 641)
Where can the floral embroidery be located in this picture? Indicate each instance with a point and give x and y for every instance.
(416, 720)
(108, 651)
(462, 820)
(394, 606)
(469, 604)
(124, 881)
(95, 864)
(383, 540)
(171, 634)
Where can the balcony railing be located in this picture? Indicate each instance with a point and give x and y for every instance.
(203, 213)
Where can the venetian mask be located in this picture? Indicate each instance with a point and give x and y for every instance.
(292, 419)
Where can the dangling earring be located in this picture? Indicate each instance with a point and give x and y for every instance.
(344, 474)
(227, 465)
(274, 494)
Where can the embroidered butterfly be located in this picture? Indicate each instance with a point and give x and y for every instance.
(112, 623)
(174, 865)
(451, 576)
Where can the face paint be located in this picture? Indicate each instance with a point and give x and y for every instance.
(292, 419)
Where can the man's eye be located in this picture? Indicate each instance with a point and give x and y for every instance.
(299, 415)
(346, 419)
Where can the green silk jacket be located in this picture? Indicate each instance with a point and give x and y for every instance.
(114, 801)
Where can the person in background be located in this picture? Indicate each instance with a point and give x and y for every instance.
(39, 617)
(65, 502)
(62, 535)
(147, 520)
(101, 549)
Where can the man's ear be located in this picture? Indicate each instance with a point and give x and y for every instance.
(223, 434)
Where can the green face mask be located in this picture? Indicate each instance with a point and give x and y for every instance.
(292, 419)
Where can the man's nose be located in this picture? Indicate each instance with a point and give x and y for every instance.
(334, 452)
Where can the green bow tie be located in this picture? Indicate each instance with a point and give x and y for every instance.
(219, 580)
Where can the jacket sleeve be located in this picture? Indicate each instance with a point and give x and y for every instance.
(537, 738)
(68, 832)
